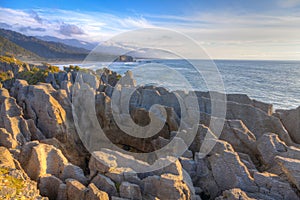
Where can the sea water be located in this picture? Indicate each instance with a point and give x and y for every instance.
(275, 82)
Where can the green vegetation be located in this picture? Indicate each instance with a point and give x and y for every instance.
(10, 59)
(7, 181)
(28, 45)
(76, 68)
(4, 76)
(118, 186)
(72, 68)
(34, 76)
(119, 76)
(11, 68)
(37, 75)
(8, 47)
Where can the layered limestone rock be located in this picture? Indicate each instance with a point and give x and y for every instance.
(257, 121)
(169, 180)
(14, 182)
(42, 107)
(15, 67)
(291, 121)
(166, 186)
(49, 186)
(234, 194)
(256, 155)
(75, 190)
(269, 146)
(52, 113)
(291, 168)
(7, 140)
(224, 160)
(40, 159)
(14, 127)
(6, 160)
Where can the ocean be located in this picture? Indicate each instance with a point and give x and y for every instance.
(275, 82)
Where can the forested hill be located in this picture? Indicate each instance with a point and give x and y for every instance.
(22, 46)
(8, 47)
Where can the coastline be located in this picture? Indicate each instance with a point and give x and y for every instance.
(77, 131)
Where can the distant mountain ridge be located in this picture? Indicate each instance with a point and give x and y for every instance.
(70, 42)
(44, 49)
(8, 47)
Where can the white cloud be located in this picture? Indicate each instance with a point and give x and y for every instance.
(222, 34)
(65, 23)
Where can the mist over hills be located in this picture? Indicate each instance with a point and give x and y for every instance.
(70, 42)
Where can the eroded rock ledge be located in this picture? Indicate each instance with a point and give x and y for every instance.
(257, 155)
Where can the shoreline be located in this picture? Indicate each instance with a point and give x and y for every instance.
(92, 136)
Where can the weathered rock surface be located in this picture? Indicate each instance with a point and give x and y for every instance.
(7, 140)
(291, 121)
(269, 146)
(272, 186)
(257, 121)
(51, 111)
(94, 193)
(36, 101)
(12, 120)
(75, 190)
(105, 184)
(62, 192)
(291, 168)
(6, 158)
(39, 159)
(130, 191)
(14, 183)
(257, 155)
(49, 186)
(166, 186)
(74, 172)
(224, 160)
(234, 194)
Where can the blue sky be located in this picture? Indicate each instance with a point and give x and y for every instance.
(230, 29)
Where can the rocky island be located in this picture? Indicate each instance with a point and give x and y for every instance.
(255, 156)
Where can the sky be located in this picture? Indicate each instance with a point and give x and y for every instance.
(228, 29)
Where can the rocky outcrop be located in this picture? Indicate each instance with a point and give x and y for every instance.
(105, 184)
(6, 160)
(36, 101)
(15, 67)
(39, 159)
(7, 140)
(12, 121)
(224, 160)
(291, 168)
(291, 121)
(269, 146)
(49, 186)
(51, 111)
(234, 194)
(130, 191)
(255, 155)
(94, 193)
(14, 182)
(166, 186)
(75, 190)
(257, 121)
(111, 170)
